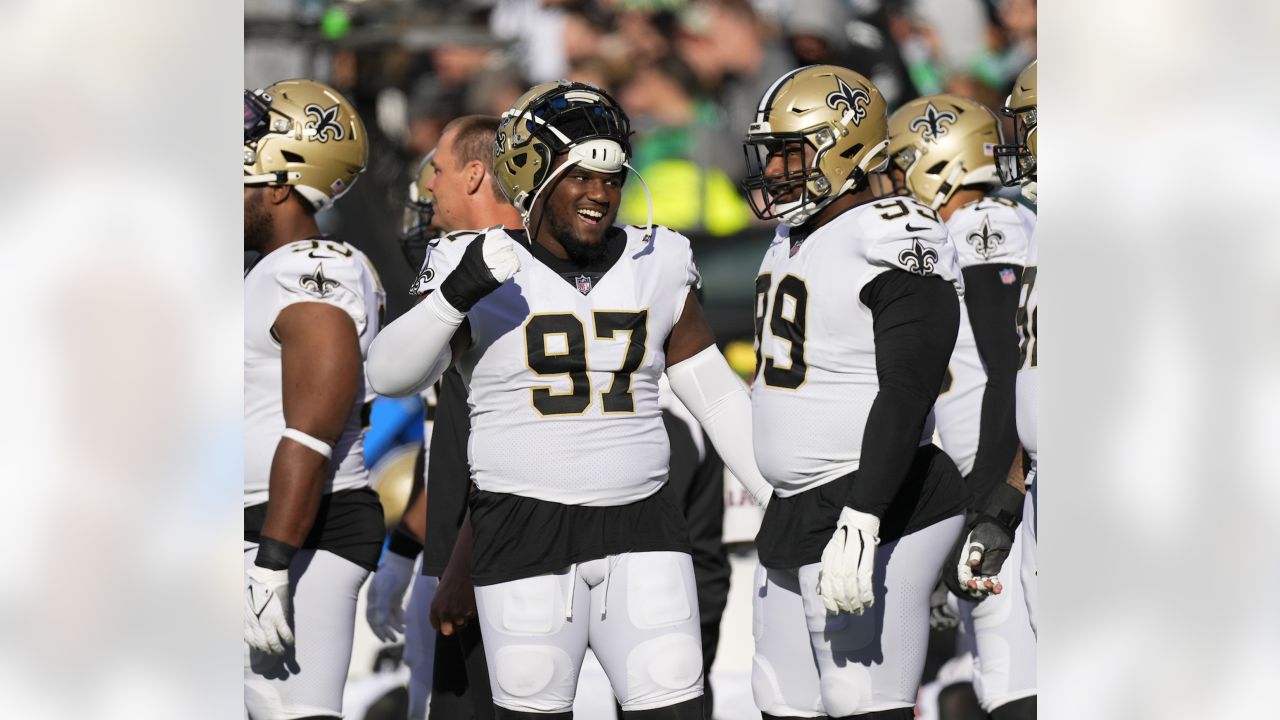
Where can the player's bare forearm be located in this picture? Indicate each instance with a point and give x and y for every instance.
(297, 486)
(455, 599)
(414, 520)
(1017, 477)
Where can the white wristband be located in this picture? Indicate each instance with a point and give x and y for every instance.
(315, 444)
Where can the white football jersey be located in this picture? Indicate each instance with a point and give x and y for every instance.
(959, 407)
(1026, 393)
(322, 271)
(564, 385)
(815, 345)
(991, 231)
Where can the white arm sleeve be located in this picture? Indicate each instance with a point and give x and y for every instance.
(718, 399)
(414, 351)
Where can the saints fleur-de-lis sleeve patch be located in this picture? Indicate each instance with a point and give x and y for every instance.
(985, 241)
(317, 284)
(918, 259)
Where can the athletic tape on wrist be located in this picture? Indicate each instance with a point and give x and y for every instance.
(306, 440)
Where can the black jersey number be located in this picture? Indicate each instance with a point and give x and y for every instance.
(786, 316)
(1026, 319)
(556, 344)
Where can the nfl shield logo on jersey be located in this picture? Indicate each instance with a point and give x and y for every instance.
(1008, 277)
(584, 283)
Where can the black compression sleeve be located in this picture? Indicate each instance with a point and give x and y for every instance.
(916, 320)
(992, 304)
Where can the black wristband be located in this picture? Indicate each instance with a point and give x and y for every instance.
(1004, 505)
(274, 554)
(404, 544)
(471, 280)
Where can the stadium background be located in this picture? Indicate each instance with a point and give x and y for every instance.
(688, 72)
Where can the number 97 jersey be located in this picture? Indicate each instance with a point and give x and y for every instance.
(815, 343)
(563, 370)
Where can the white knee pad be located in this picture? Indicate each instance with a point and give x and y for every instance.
(664, 671)
(535, 678)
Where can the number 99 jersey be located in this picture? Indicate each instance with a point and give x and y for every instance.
(815, 344)
(322, 271)
(563, 371)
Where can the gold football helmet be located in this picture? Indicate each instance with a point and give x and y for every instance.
(1017, 161)
(943, 142)
(306, 135)
(553, 118)
(416, 230)
(834, 121)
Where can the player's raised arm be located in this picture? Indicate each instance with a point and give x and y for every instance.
(416, 349)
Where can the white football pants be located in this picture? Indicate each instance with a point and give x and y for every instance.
(1004, 643)
(808, 663)
(637, 611)
(308, 679)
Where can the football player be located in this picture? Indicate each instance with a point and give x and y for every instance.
(989, 535)
(941, 153)
(313, 526)
(857, 313)
(1017, 166)
(469, 197)
(560, 332)
(419, 228)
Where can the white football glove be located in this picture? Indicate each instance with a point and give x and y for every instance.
(266, 620)
(848, 563)
(500, 257)
(386, 606)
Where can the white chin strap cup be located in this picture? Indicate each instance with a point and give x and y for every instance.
(599, 155)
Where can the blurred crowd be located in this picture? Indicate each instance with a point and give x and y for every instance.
(689, 73)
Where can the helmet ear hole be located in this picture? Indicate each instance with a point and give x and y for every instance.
(937, 168)
(853, 150)
(291, 156)
(520, 160)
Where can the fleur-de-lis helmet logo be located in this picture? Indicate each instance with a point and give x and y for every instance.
(324, 124)
(984, 240)
(918, 258)
(854, 100)
(933, 124)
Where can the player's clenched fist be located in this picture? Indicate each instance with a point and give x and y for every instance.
(488, 262)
